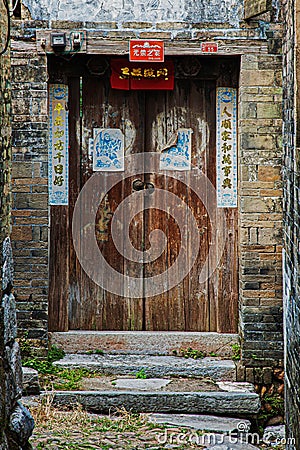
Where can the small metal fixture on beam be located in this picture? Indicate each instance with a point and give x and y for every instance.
(58, 41)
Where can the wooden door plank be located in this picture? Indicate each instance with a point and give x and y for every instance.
(58, 269)
(227, 282)
(133, 120)
(156, 310)
(197, 303)
(74, 189)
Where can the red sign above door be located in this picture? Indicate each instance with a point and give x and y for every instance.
(138, 76)
(146, 50)
(209, 47)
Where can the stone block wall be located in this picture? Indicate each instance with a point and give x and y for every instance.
(260, 223)
(5, 132)
(258, 42)
(291, 277)
(29, 189)
(16, 423)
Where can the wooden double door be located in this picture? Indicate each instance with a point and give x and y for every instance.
(149, 121)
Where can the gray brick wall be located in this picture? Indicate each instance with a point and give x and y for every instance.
(29, 188)
(291, 229)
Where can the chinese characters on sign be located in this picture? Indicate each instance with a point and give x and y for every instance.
(209, 47)
(108, 150)
(142, 72)
(178, 155)
(127, 75)
(141, 50)
(58, 145)
(227, 147)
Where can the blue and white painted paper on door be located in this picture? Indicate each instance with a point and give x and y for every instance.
(108, 150)
(177, 156)
(58, 162)
(226, 147)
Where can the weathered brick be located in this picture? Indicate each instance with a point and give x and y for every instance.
(253, 204)
(155, 35)
(269, 173)
(31, 201)
(257, 77)
(269, 110)
(137, 25)
(22, 233)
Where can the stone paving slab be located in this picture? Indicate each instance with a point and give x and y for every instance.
(150, 384)
(214, 424)
(154, 366)
(178, 384)
(273, 434)
(232, 446)
(230, 386)
(144, 342)
(222, 403)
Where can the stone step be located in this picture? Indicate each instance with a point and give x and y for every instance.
(144, 342)
(154, 366)
(239, 404)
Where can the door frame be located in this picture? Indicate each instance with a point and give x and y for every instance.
(61, 215)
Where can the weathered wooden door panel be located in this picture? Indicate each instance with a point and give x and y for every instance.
(99, 309)
(149, 121)
(180, 308)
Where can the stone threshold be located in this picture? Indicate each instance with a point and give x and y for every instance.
(153, 366)
(144, 342)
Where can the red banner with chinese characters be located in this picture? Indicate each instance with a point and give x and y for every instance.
(137, 76)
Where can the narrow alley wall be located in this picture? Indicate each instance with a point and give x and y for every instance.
(291, 278)
(16, 423)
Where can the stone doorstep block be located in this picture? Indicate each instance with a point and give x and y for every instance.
(222, 403)
(145, 342)
(154, 366)
(31, 383)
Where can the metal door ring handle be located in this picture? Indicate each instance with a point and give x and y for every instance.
(138, 185)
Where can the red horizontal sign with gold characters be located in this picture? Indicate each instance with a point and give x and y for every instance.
(138, 76)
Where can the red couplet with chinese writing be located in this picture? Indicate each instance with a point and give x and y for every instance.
(134, 75)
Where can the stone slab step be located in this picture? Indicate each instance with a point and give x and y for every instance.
(218, 403)
(144, 342)
(154, 366)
